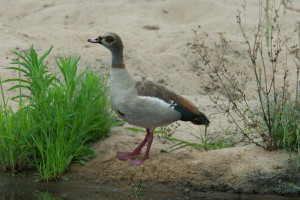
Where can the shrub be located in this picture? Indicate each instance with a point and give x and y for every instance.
(60, 116)
(276, 116)
(16, 130)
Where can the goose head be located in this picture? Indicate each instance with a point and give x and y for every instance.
(111, 41)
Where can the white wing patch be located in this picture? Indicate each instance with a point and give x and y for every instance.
(173, 104)
(156, 102)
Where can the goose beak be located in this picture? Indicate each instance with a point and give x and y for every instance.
(95, 40)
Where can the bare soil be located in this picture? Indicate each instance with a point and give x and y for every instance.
(243, 169)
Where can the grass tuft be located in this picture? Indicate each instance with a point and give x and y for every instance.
(56, 118)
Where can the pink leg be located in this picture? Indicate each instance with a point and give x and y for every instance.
(149, 137)
(129, 155)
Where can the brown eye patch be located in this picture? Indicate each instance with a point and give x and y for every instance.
(109, 39)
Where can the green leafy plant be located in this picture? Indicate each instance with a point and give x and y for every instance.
(15, 138)
(16, 130)
(57, 117)
(138, 191)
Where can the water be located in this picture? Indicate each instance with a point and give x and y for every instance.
(16, 188)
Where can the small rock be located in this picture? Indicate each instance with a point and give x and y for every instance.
(161, 81)
(164, 11)
(230, 120)
(151, 27)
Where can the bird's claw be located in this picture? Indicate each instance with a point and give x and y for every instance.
(137, 162)
(126, 155)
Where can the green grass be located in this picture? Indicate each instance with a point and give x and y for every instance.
(16, 130)
(286, 124)
(56, 119)
(204, 142)
(15, 136)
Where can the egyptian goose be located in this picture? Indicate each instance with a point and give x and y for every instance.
(143, 103)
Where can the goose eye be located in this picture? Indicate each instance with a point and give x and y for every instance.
(109, 39)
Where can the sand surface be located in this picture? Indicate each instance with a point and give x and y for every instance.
(158, 37)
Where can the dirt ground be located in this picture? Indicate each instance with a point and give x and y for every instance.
(158, 37)
(231, 169)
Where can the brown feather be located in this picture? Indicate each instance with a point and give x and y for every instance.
(148, 88)
(189, 106)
